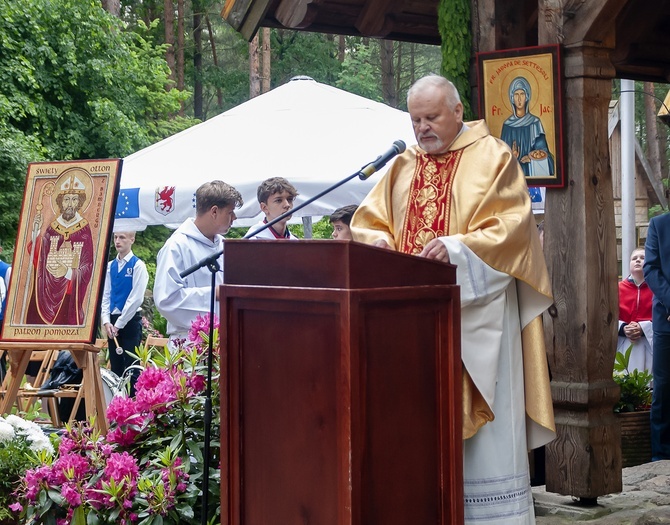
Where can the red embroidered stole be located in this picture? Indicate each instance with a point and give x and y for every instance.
(429, 201)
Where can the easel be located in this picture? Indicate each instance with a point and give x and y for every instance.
(86, 357)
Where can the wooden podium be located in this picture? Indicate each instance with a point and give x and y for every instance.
(340, 386)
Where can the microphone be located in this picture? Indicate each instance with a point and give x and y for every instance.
(377, 164)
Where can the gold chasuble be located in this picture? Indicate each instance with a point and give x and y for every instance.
(476, 193)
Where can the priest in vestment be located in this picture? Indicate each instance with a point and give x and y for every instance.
(460, 196)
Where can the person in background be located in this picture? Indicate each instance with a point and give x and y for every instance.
(5, 274)
(460, 196)
(341, 219)
(122, 297)
(181, 299)
(657, 276)
(635, 327)
(275, 196)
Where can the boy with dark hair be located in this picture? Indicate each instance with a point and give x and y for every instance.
(341, 219)
(275, 196)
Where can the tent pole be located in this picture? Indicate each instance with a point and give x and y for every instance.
(307, 227)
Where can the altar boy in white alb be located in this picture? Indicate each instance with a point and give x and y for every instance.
(275, 196)
(181, 299)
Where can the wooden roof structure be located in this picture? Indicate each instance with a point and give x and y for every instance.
(639, 29)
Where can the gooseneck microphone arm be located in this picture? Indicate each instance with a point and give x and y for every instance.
(364, 173)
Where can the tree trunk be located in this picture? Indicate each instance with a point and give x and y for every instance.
(215, 60)
(180, 46)
(112, 6)
(653, 138)
(169, 39)
(267, 61)
(340, 48)
(398, 71)
(197, 62)
(388, 74)
(254, 66)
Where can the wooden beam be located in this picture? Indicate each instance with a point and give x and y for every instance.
(575, 21)
(652, 180)
(297, 14)
(484, 25)
(375, 18)
(245, 15)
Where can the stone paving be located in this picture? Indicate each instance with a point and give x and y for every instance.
(645, 500)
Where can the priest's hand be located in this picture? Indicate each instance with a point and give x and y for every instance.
(381, 243)
(436, 250)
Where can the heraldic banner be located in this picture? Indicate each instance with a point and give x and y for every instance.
(61, 251)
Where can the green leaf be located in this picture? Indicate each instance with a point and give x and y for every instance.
(92, 518)
(79, 518)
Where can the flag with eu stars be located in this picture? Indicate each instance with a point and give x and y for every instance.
(128, 205)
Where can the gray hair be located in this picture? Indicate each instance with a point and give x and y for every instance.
(432, 80)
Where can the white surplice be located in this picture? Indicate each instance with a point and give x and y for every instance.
(496, 473)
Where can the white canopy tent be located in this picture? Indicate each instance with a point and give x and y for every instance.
(312, 134)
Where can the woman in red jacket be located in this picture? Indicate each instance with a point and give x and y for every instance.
(635, 299)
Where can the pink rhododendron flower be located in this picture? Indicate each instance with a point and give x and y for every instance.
(69, 467)
(196, 383)
(201, 324)
(123, 411)
(34, 479)
(151, 377)
(121, 465)
(70, 491)
(122, 436)
(66, 445)
(157, 399)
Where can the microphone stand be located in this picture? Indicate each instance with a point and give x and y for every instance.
(211, 262)
(213, 267)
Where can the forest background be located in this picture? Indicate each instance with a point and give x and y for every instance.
(85, 79)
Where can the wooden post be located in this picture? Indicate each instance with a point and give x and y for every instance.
(579, 242)
(580, 247)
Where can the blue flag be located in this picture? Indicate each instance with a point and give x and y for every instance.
(128, 205)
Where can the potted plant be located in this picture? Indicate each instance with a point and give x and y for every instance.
(633, 410)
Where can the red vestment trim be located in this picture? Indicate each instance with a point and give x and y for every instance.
(429, 201)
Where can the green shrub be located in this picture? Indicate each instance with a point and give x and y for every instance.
(635, 385)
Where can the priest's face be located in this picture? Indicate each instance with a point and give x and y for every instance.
(435, 118)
